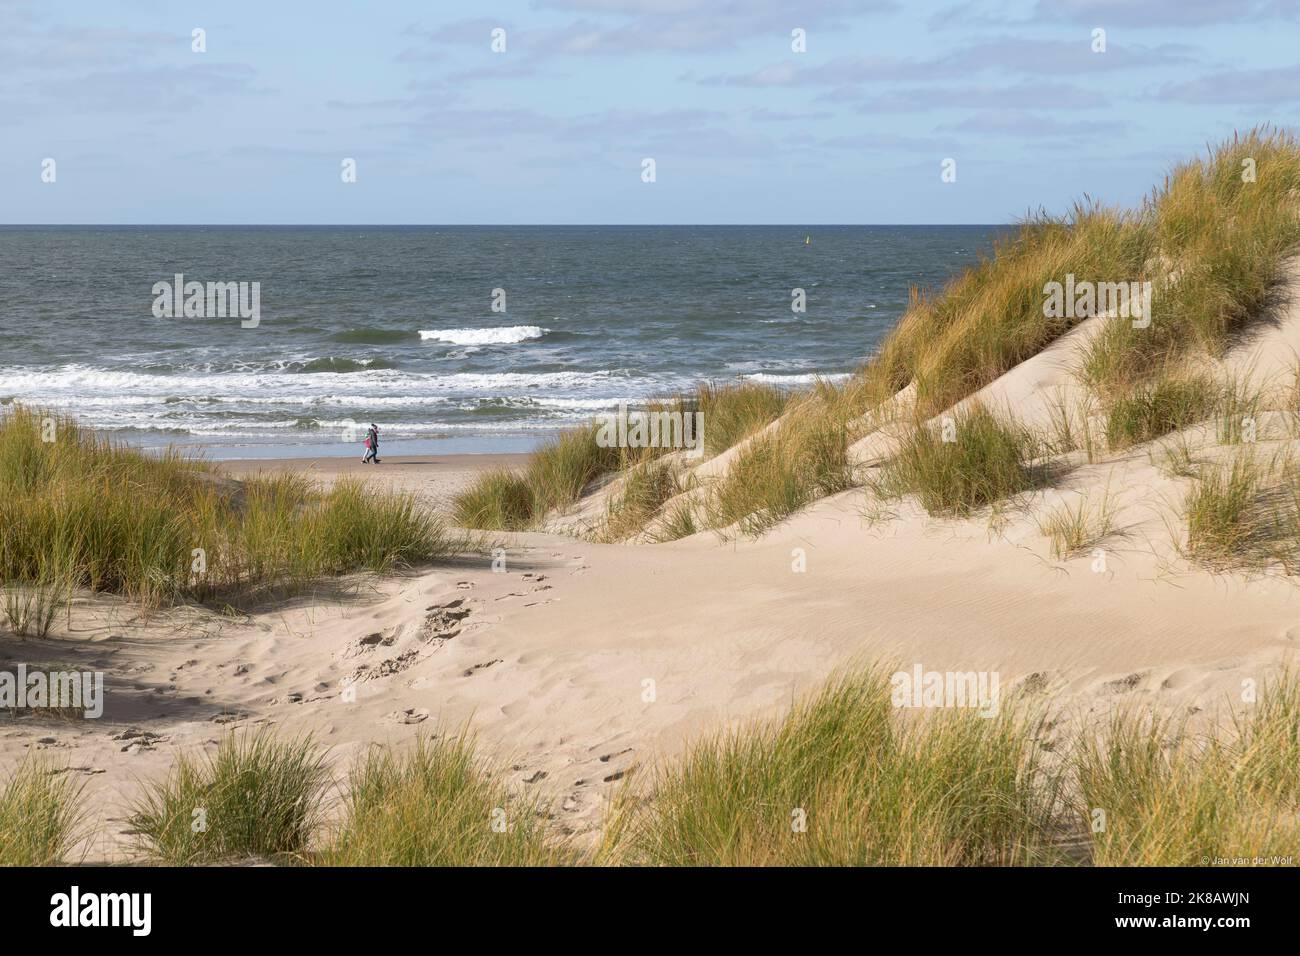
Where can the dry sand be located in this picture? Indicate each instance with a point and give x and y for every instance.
(579, 660)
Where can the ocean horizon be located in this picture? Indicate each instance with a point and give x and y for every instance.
(453, 339)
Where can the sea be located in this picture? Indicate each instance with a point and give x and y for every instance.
(451, 339)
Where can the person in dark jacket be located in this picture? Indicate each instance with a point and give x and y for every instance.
(372, 444)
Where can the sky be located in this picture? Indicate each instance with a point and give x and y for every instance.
(557, 127)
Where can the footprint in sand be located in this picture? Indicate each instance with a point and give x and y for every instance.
(469, 672)
(138, 740)
(1035, 683)
(365, 645)
(386, 668)
(88, 771)
(1123, 685)
(443, 621)
(412, 715)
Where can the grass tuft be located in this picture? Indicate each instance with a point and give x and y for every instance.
(779, 473)
(556, 474)
(1229, 523)
(1167, 405)
(987, 460)
(844, 781)
(1154, 794)
(435, 806)
(255, 797)
(646, 488)
(1073, 529)
(77, 511)
(731, 413)
(41, 809)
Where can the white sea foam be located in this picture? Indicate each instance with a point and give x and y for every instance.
(505, 336)
(84, 381)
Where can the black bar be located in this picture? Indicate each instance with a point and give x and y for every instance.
(233, 905)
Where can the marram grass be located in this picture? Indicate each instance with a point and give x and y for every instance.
(41, 810)
(554, 477)
(1151, 793)
(845, 778)
(557, 474)
(780, 472)
(255, 797)
(435, 804)
(969, 461)
(78, 511)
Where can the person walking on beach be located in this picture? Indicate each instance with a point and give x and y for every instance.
(372, 444)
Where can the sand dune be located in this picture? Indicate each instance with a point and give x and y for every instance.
(549, 660)
(575, 662)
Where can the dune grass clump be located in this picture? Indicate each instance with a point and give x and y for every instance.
(1224, 225)
(732, 413)
(1167, 405)
(555, 476)
(352, 527)
(991, 317)
(1240, 405)
(563, 467)
(109, 517)
(845, 780)
(680, 520)
(1230, 522)
(41, 810)
(255, 797)
(435, 805)
(1177, 458)
(1074, 528)
(31, 606)
(558, 472)
(777, 474)
(968, 462)
(646, 488)
(497, 500)
(1154, 794)
(78, 511)
(281, 532)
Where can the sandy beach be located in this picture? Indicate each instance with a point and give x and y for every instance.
(576, 662)
(435, 479)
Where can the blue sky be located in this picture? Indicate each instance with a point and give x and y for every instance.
(555, 129)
